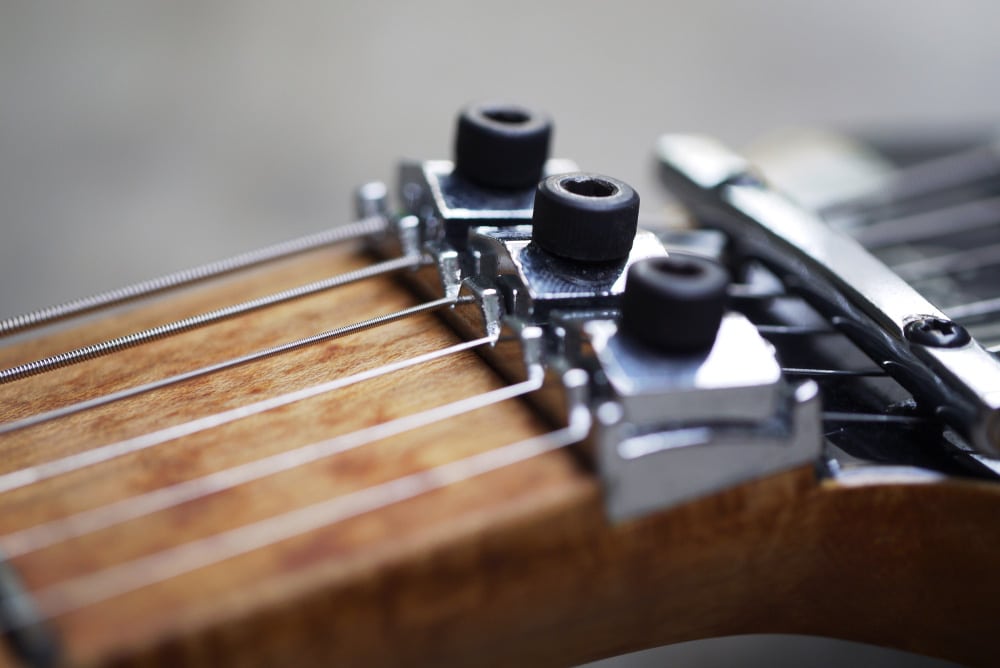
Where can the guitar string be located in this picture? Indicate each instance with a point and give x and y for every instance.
(81, 592)
(179, 326)
(837, 416)
(49, 533)
(918, 227)
(978, 309)
(84, 591)
(80, 406)
(948, 263)
(99, 455)
(930, 177)
(968, 216)
(851, 373)
(795, 330)
(359, 229)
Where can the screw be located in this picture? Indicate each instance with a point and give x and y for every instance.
(675, 304)
(936, 333)
(502, 146)
(585, 217)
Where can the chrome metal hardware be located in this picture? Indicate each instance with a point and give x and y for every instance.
(534, 283)
(678, 426)
(737, 381)
(728, 412)
(450, 204)
(860, 295)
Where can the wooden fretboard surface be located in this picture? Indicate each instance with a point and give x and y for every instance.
(341, 553)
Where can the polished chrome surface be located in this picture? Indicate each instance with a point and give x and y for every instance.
(737, 380)
(675, 427)
(647, 471)
(535, 282)
(450, 205)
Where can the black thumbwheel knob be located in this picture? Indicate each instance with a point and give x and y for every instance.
(502, 145)
(585, 217)
(675, 304)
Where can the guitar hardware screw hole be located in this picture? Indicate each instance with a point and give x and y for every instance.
(678, 268)
(508, 116)
(675, 304)
(589, 187)
(585, 217)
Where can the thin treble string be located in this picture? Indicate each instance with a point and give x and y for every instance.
(930, 177)
(948, 263)
(929, 225)
(179, 326)
(979, 309)
(847, 373)
(256, 356)
(81, 592)
(358, 229)
(50, 469)
(49, 533)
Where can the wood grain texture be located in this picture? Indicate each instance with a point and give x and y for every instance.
(516, 567)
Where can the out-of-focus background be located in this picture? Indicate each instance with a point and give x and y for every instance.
(138, 137)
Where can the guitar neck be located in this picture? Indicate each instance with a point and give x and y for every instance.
(515, 565)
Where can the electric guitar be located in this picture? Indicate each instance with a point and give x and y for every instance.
(499, 423)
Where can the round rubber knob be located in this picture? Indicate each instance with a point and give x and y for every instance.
(585, 217)
(502, 145)
(675, 304)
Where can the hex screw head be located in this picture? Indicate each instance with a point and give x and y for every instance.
(500, 145)
(936, 333)
(585, 217)
(675, 304)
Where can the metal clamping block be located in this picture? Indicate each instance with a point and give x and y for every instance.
(450, 204)
(535, 283)
(677, 427)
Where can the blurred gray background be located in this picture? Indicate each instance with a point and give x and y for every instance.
(137, 138)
